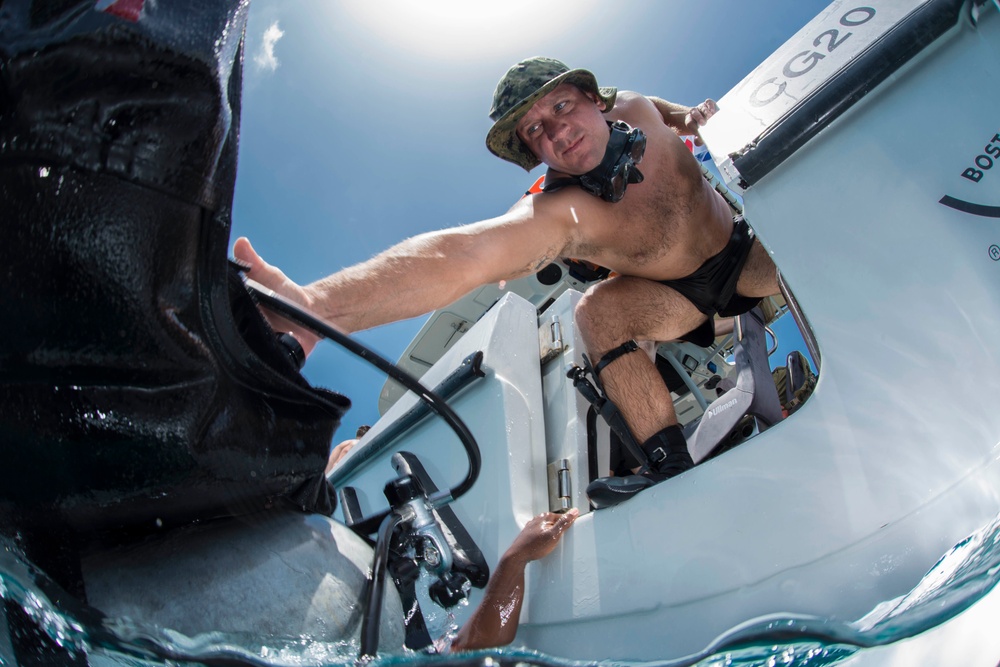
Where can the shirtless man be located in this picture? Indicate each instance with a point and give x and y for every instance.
(670, 225)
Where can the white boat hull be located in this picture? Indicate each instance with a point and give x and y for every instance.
(850, 501)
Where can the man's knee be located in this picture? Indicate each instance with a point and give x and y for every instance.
(596, 314)
(608, 314)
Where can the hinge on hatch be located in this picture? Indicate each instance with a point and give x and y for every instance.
(560, 486)
(550, 340)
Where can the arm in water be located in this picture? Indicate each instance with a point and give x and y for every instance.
(495, 620)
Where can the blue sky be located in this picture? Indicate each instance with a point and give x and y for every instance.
(364, 121)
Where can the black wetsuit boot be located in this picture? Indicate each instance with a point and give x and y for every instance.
(668, 457)
(668, 454)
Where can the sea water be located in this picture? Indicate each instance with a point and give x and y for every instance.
(963, 581)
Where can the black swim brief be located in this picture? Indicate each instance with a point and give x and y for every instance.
(712, 288)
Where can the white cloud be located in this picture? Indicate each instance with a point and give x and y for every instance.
(265, 57)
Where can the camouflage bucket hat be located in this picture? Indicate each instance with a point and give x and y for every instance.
(524, 84)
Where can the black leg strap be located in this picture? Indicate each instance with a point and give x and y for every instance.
(614, 353)
(608, 410)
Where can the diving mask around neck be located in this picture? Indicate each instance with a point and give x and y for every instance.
(609, 179)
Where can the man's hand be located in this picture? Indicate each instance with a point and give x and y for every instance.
(698, 116)
(683, 119)
(540, 536)
(273, 278)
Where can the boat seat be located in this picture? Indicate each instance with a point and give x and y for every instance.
(753, 392)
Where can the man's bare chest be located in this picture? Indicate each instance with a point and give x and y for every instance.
(646, 231)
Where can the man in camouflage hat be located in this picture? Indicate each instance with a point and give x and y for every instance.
(680, 255)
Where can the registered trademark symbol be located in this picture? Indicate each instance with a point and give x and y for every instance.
(995, 252)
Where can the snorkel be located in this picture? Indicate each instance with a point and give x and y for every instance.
(609, 179)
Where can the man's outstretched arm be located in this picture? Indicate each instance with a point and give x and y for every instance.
(420, 274)
(494, 622)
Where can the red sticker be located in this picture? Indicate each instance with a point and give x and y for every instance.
(126, 9)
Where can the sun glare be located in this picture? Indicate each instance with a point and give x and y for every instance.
(466, 28)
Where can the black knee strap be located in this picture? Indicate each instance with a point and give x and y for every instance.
(614, 353)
